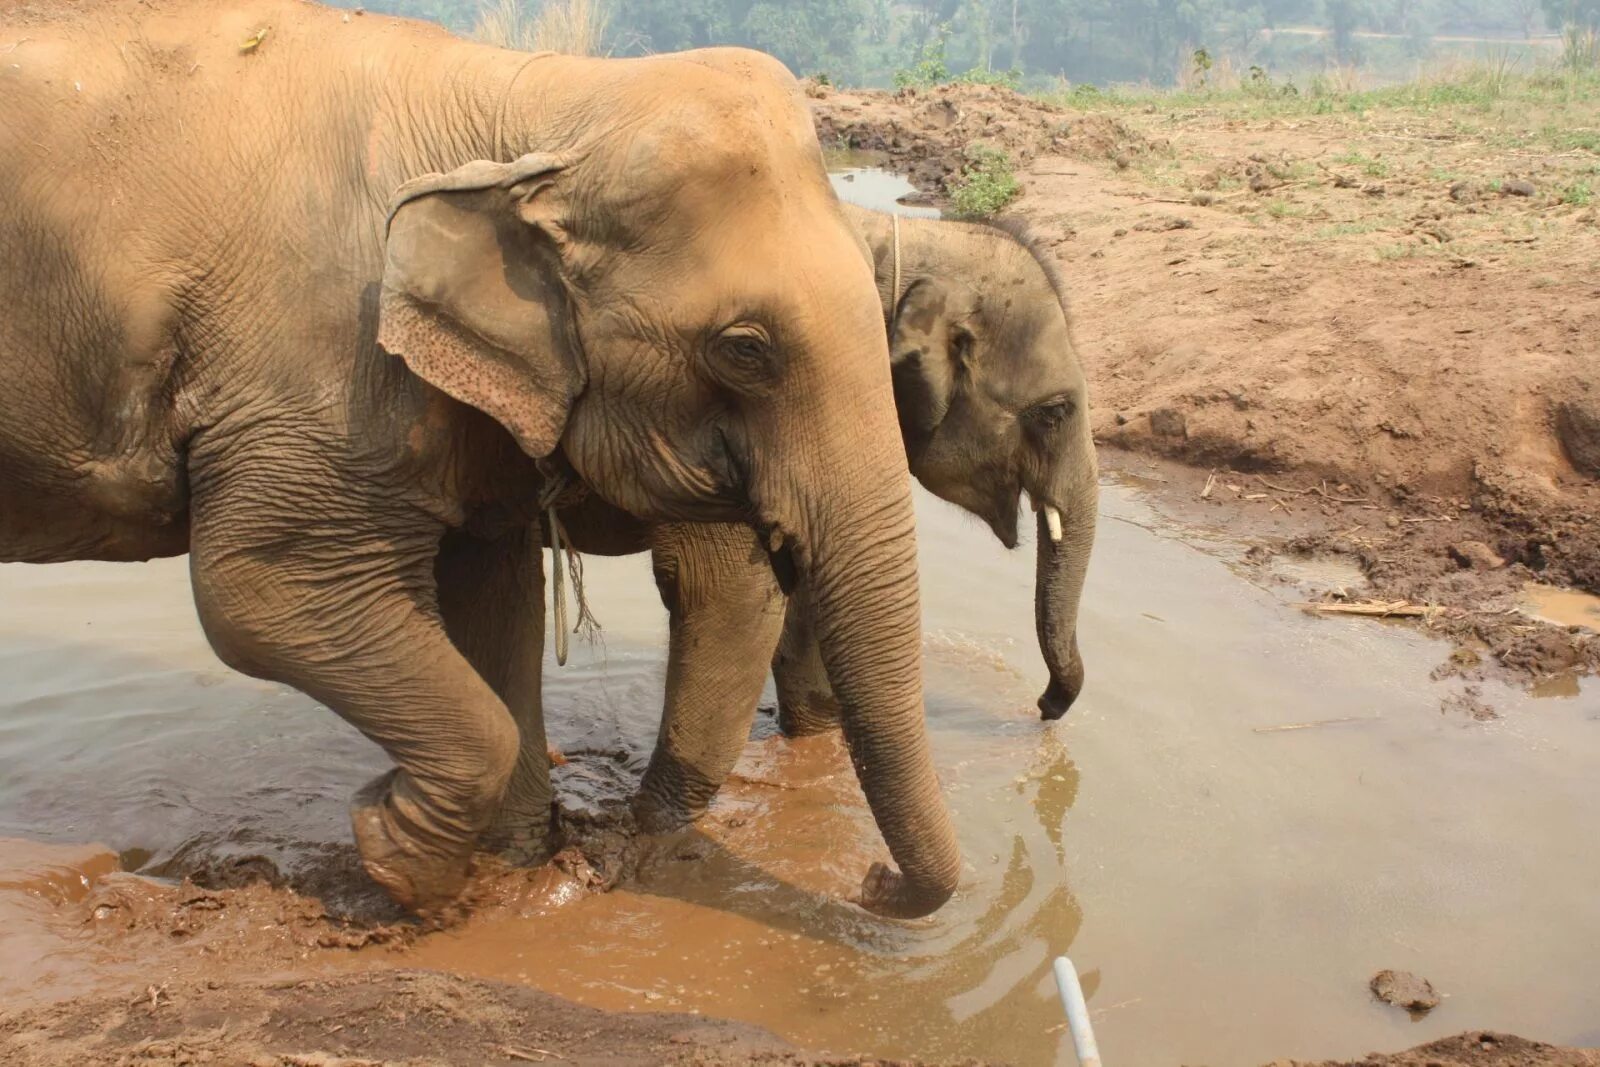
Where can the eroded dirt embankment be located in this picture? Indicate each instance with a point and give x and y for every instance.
(1380, 331)
(368, 1019)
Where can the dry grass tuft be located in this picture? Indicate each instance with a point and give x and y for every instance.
(572, 27)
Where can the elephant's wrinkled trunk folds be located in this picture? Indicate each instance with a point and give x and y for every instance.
(1062, 565)
(853, 531)
(870, 637)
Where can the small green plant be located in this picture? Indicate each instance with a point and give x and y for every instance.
(985, 185)
(1578, 194)
(1008, 79)
(1372, 168)
(929, 67)
(1202, 67)
(822, 77)
(1580, 48)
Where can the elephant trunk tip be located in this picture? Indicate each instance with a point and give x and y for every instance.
(1062, 693)
(889, 893)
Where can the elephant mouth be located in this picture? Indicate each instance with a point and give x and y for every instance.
(1002, 517)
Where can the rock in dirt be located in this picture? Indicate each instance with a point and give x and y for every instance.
(1168, 422)
(1476, 556)
(1577, 424)
(1164, 223)
(1404, 990)
(1465, 193)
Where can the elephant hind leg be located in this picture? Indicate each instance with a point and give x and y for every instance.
(491, 596)
(328, 586)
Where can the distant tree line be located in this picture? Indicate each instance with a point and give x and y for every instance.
(1085, 41)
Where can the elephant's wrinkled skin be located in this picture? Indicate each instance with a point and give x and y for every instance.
(201, 315)
(992, 404)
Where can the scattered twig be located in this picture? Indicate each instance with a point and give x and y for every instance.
(1317, 489)
(1381, 609)
(535, 1055)
(1286, 727)
(1211, 483)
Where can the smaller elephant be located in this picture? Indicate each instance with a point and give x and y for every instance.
(992, 404)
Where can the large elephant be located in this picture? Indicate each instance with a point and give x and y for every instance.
(992, 404)
(580, 279)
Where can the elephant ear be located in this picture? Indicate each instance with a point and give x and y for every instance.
(473, 297)
(928, 351)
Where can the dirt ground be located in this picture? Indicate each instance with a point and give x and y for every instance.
(1475, 1049)
(375, 1017)
(1351, 329)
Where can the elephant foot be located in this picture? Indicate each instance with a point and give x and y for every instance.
(656, 816)
(421, 873)
(807, 718)
(524, 835)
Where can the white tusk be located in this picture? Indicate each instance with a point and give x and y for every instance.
(1052, 519)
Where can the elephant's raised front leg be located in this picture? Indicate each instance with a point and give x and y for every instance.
(491, 596)
(726, 610)
(306, 575)
(806, 704)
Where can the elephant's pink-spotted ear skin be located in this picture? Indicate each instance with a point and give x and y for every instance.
(473, 301)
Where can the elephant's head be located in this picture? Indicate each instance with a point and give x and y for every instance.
(672, 298)
(992, 403)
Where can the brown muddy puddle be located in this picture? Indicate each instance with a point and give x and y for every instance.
(1225, 891)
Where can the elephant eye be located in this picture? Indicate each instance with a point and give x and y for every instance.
(742, 357)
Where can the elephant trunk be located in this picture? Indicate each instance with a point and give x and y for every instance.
(869, 631)
(1065, 540)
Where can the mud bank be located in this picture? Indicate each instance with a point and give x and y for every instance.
(368, 1019)
(1476, 1049)
(1338, 315)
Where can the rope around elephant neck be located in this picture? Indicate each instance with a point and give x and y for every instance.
(894, 293)
(560, 563)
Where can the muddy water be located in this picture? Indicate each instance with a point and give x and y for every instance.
(1226, 887)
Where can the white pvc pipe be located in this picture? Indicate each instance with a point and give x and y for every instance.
(1077, 1012)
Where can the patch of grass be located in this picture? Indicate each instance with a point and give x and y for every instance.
(1398, 251)
(1578, 194)
(1286, 209)
(1372, 168)
(1353, 228)
(1567, 139)
(985, 185)
(1552, 104)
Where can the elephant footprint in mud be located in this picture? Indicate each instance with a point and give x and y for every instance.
(991, 402)
(203, 315)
